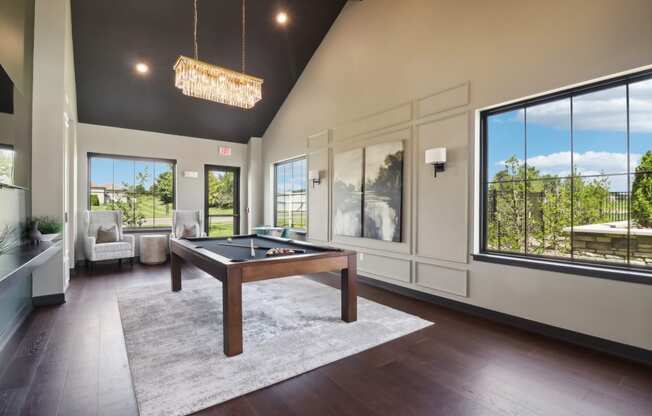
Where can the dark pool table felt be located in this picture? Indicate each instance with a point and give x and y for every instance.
(233, 249)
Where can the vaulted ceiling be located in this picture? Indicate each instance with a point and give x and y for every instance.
(110, 37)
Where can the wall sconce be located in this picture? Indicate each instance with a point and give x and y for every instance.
(437, 158)
(315, 177)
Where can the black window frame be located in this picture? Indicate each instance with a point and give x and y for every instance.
(173, 162)
(275, 194)
(629, 273)
(236, 197)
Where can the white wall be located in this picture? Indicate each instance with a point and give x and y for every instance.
(191, 154)
(53, 64)
(254, 183)
(373, 79)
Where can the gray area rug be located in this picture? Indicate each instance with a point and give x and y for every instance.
(291, 326)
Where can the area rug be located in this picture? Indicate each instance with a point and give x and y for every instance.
(291, 326)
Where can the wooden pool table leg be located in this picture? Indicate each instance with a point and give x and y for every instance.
(349, 291)
(175, 265)
(232, 305)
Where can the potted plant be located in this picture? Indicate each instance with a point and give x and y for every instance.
(49, 228)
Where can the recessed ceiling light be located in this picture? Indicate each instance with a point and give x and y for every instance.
(142, 68)
(282, 18)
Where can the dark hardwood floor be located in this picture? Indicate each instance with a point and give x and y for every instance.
(71, 360)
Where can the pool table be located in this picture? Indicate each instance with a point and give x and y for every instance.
(230, 260)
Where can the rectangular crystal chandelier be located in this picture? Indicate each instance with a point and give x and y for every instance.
(211, 82)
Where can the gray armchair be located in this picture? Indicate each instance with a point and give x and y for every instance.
(124, 248)
(187, 219)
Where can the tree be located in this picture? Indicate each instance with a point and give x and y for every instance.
(506, 225)
(95, 200)
(131, 216)
(164, 189)
(642, 192)
(141, 178)
(128, 204)
(547, 215)
(386, 186)
(220, 190)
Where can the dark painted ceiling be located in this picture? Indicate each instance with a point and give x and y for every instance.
(110, 37)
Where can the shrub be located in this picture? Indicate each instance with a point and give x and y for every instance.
(642, 192)
(48, 225)
(95, 201)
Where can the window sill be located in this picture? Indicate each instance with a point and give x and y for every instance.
(623, 274)
(147, 230)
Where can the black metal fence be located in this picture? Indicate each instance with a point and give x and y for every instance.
(613, 207)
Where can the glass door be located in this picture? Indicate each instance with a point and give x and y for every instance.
(221, 200)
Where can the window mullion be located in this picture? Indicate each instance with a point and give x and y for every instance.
(525, 196)
(572, 178)
(629, 189)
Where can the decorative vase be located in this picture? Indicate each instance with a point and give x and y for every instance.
(50, 237)
(33, 234)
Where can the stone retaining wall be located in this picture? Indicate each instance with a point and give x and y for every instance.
(613, 247)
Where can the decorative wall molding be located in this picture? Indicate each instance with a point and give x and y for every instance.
(444, 100)
(403, 132)
(442, 202)
(430, 205)
(319, 217)
(443, 279)
(375, 122)
(387, 267)
(618, 349)
(320, 140)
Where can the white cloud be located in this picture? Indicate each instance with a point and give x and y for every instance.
(588, 163)
(602, 110)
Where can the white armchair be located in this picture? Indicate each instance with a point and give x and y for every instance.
(183, 219)
(121, 249)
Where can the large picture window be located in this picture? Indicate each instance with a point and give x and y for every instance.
(568, 176)
(143, 189)
(290, 198)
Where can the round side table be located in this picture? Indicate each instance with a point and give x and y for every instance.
(153, 249)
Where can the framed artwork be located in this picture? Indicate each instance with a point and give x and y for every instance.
(368, 192)
(347, 193)
(383, 191)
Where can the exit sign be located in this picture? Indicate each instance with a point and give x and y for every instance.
(225, 151)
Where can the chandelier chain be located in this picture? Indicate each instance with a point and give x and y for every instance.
(195, 33)
(244, 45)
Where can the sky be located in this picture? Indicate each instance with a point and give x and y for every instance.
(104, 169)
(292, 176)
(599, 135)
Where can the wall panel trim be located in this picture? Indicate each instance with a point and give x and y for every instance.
(614, 348)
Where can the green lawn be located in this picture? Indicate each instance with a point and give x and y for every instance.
(220, 211)
(220, 229)
(298, 221)
(156, 213)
